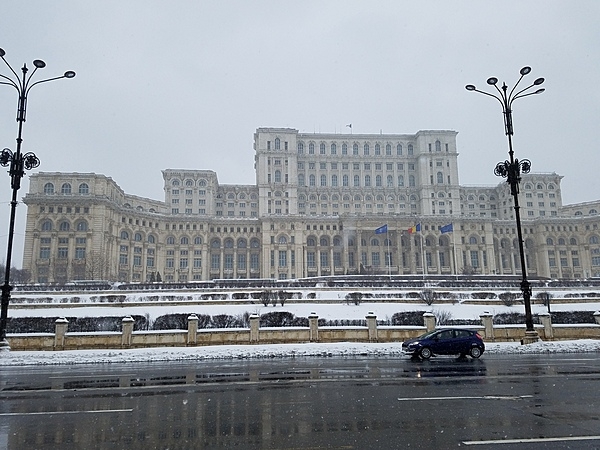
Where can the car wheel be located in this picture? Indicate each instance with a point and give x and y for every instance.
(475, 352)
(425, 353)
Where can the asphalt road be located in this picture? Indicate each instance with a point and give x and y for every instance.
(496, 402)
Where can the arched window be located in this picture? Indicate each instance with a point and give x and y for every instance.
(84, 188)
(48, 188)
(334, 180)
(344, 149)
(175, 182)
(216, 243)
(561, 241)
(333, 148)
(399, 149)
(337, 241)
(400, 180)
(322, 148)
(184, 240)
(277, 176)
(410, 149)
(593, 212)
(388, 149)
(197, 240)
(549, 241)
(241, 243)
(356, 181)
(311, 148)
(151, 239)
(312, 180)
(301, 179)
(170, 240)
(355, 149)
(282, 240)
(311, 242)
(324, 242)
(375, 242)
(367, 180)
(472, 240)
(229, 243)
(411, 180)
(345, 180)
(300, 148)
(47, 225)
(323, 180)
(366, 149)
(377, 149)
(65, 188)
(593, 239)
(254, 243)
(390, 181)
(124, 235)
(438, 146)
(572, 241)
(189, 183)
(440, 178)
(82, 225)
(378, 181)
(277, 144)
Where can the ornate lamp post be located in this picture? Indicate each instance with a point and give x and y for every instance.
(511, 169)
(17, 163)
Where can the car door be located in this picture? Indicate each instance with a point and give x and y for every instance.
(443, 342)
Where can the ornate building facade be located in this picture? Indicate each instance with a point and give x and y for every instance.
(322, 204)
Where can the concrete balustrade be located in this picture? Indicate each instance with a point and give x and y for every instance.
(127, 338)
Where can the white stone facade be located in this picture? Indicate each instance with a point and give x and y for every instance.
(314, 209)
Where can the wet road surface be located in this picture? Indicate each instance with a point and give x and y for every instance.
(498, 401)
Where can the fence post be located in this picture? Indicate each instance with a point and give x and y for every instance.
(127, 323)
(192, 336)
(488, 325)
(254, 325)
(429, 320)
(313, 325)
(60, 330)
(547, 323)
(372, 326)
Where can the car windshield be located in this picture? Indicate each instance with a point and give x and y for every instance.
(428, 334)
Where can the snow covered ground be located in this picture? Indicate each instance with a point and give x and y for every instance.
(267, 351)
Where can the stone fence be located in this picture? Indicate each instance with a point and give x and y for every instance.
(127, 338)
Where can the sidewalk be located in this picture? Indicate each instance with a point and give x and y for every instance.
(111, 356)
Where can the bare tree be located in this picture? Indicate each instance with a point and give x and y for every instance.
(97, 266)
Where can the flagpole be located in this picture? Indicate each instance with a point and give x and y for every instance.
(454, 249)
(389, 256)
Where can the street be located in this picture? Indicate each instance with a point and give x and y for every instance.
(498, 401)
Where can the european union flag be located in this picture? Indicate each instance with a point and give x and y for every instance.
(447, 228)
(382, 229)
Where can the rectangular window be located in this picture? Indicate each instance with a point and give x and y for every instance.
(254, 262)
(150, 261)
(228, 263)
(215, 261)
(44, 252)
(282, 258)
(324, 259)
(310, 259)
(241, 265)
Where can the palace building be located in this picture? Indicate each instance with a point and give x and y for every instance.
(322, 204)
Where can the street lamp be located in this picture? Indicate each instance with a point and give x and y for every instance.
(511, 169)
(17, 163)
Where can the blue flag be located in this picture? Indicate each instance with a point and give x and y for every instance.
(382, 229)
(447, 228)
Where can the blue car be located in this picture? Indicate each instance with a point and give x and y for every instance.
(446, 341)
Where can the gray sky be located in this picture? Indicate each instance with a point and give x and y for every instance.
(184, 84)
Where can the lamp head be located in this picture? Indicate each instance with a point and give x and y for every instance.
(470, 87)
(2, 52)
(538, 81)
(69, 74)
(539, 91)
(525, 70)
(492, 81)
(39, 63)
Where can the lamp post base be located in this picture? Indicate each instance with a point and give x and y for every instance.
(4, 346)
(531, 337)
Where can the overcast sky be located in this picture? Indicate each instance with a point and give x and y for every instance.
(184, 84)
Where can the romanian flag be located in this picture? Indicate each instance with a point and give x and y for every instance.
(415, 229)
